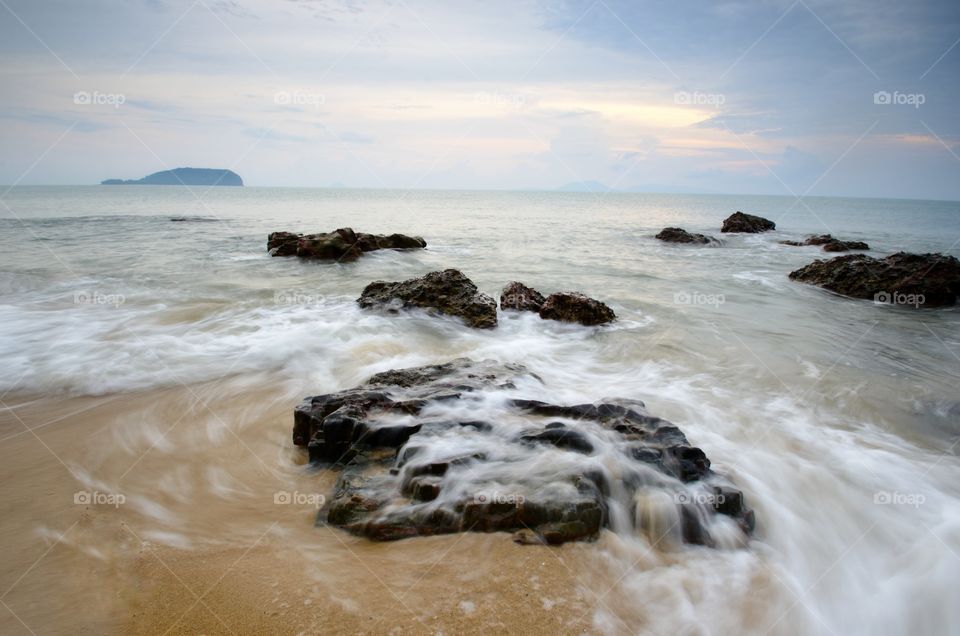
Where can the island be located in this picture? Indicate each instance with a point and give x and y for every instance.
(184, 176)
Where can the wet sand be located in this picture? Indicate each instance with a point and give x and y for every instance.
(198, 546)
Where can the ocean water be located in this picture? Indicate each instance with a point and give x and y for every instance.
(837, 418)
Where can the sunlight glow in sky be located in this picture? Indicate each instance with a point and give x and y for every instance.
(780, 97)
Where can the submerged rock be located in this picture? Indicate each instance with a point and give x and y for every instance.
(519, 297)
(740, 222)
(829, 243)
(448, 292)
(918, 280)
(679, 235)
(341, 245)
(575, 307)
(410, 466)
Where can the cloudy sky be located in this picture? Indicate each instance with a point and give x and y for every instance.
(855, 98)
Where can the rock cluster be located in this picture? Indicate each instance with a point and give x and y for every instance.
(562, 306)
(919, 280)
(450, 293)
(341, 245)
(413, 463)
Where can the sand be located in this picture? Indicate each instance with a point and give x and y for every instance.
(198, 546)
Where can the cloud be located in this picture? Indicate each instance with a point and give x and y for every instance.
(493, 95)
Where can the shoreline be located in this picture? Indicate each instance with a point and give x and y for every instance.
(109, 570)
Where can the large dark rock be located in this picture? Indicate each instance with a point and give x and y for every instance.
(448, 292)
(918, 280)
(829, 243)
(575, 307)
(341, 245)
(410, 466)
(519, 297)
(740, 222)
(679, 235)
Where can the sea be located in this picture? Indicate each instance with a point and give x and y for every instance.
(153, 351)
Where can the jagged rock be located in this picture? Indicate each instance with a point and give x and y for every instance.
(918, 280)
(342, 245)
(829, 243)
(575, 307)
(679, 235)
(550, 484)
(521, 298)
(740, 222)
(448, 292)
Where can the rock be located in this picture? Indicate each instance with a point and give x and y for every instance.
(844, 246)
(829, 243)
(283, 243)
(420, 481)
(679, 235)
(575, 307)
(341, 245)
(519, 297)
(563, 306)
(918, 280)
(820, 239)
(448, 292)
(740, 222)
(561, 437)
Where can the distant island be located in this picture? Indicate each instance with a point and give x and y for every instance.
(184, 176)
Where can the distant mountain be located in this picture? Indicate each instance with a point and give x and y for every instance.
(586, 186)
(184, 176)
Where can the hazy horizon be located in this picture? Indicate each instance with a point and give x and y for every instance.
(492, 190)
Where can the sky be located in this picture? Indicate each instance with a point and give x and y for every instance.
(791, 97)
